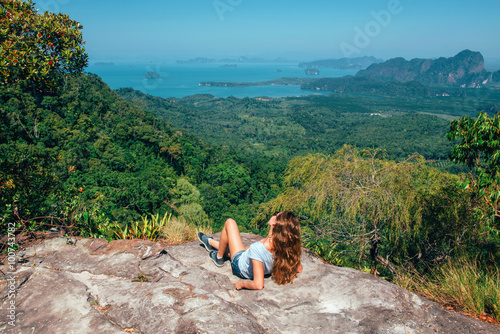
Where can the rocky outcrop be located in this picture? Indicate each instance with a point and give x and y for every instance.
(496, 77)
(92, 286)
(466, 69)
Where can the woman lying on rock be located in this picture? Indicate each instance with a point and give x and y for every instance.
(278, 254)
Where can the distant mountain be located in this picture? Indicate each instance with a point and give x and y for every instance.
(242, 60)
(254, 60)
(197, 60)
(342, 63)
(466, 69)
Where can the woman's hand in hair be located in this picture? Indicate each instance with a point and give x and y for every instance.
(272, 221)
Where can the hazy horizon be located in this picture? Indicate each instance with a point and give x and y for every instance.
(166, 30)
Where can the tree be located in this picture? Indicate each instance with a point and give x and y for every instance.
(38, 48)
(375, 210)
(479, 149)
(186, 201)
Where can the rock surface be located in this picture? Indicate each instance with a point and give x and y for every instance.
(92, 286)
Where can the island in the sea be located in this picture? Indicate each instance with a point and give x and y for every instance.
(274, 82)
(152, 75)
(312, 71)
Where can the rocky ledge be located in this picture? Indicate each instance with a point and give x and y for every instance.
(135, 286)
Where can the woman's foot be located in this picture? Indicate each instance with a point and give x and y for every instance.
(205, 240)
(218, 262)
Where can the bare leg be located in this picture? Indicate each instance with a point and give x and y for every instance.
(229, 237)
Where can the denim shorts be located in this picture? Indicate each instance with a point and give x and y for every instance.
(234, 265)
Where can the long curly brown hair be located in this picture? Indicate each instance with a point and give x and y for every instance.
(286, 243)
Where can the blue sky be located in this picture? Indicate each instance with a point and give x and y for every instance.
(295, 29)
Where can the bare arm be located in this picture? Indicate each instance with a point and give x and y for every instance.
(299, 268)
(258, 278)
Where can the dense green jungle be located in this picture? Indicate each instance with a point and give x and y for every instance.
(406, 188)
(287, 127)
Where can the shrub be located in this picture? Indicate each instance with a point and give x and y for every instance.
(147, 228)
(173, 230)
(179, 231)
(462, 284)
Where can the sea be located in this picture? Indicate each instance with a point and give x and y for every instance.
(181, 80)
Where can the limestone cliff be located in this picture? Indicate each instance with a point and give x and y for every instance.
(496, 77)
(134, 286)
(466, 69)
